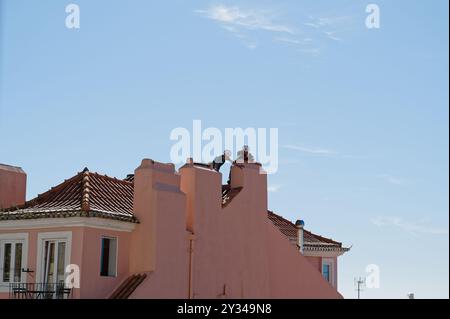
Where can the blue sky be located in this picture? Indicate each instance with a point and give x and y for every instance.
(362, 113)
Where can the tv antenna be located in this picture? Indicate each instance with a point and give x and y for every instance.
(359, 283)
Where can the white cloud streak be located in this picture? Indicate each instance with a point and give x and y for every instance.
(332, 35)
(288, 40)
(293, 40)
(313, 151)
(306, 37)
(392, 179)
(322, 22)
(247, 19)
(414, 228)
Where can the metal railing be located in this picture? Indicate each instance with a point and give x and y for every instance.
(39, 291)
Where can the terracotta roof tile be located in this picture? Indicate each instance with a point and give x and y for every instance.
(311, 240)
(228, 194)
(128, 286)
(93, 195)
(85, 194)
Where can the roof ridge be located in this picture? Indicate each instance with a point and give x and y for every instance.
(114, 179)
(85, 190)
(84, 176)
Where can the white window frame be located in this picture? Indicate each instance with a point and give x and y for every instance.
(117, 255)
(331, 264)
(42, 237)
(14, 238)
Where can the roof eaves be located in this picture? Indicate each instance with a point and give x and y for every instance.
(67, 214)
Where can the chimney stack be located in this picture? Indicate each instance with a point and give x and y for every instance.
(159, 205)
(13, 181)
(300, 224)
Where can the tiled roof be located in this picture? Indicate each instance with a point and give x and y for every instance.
(90, 194)
(312, 242)
(86, 194)
(228, 194)
(128, 286)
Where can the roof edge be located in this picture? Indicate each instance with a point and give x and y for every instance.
(325, 239)
(11, 168)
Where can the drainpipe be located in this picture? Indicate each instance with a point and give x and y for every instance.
(191, 238)
(300, 224)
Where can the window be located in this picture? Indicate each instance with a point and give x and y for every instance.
(54, 250)
(12, 261)
(326, 272)
(54, 261)
(108, 261)
(13, 251)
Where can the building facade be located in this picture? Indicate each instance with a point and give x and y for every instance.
(159, 233)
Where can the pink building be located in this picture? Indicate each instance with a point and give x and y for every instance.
(159, 233)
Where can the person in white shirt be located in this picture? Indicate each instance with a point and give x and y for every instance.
(244, 156)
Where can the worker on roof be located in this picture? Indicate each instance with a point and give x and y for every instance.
(244, 156)
(221, 159)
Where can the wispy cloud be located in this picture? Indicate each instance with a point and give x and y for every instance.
(273, 188)
(307, 35)
(313, 151)
(331, 27)
(392, 179)
(311, 51)
(323, 22)
(289, 161)
(294, 41)
(288, 40)
(414, 228)
(332, 35)
(244, 18)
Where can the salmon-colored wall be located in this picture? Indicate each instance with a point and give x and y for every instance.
(290, 269)
(237, 252)
(160, 242)
(92, 284)
(229, 253)
(85, 252)
(316, 262)
(13, 182)
(32, 256)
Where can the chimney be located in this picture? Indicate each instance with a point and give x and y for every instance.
(203, 188)
(159, 206)
(13, 181)
(300, 224)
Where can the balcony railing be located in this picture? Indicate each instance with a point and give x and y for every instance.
(39, 291)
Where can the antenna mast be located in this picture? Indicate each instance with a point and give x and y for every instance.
(359, 283)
